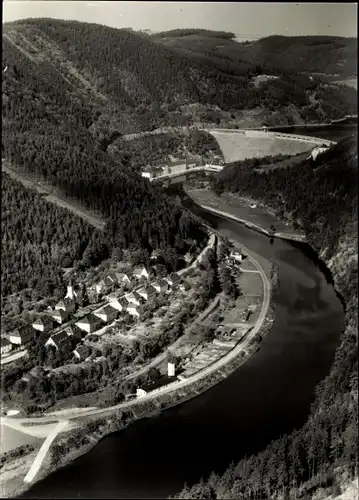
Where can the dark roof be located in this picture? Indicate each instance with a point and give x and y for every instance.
(43, 320)
(83, 350)
(60, 338)
(60, 312)
(23, 331)
(90, 319)
(5, 342)
(107, 309)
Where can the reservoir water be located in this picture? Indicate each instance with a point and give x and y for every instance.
(268, 396)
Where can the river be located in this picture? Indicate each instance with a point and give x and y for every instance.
(268, 396)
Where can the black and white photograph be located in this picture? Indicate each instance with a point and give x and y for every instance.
(179, 250)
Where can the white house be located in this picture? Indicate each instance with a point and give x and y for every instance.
(123, 278)
(146, 292)
(60, 316)
(160, 286)
(171, 369)
(237, 256)
(133, 298)
(132, 310)
(140, 272)
(6, 346)
(140, 393)
(68, 305)
(43, 324)
(107, 313)
(118, 303)
(22, 335)
(59, 340)
(101, 287)
(89, 323)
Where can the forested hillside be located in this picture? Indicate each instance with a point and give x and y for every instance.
(322, 197)
(311, 54)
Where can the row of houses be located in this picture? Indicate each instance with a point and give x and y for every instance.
(129, 302)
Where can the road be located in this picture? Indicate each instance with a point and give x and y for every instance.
(30, 476)
(13, 357)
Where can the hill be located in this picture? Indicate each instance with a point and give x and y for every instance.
(322, 198)
(326, 55)
(133, 82)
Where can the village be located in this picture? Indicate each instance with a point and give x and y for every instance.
(131, 304)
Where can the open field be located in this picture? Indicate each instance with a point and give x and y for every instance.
(236, 146)
(53, 195)
(239, 207)
(12, 438)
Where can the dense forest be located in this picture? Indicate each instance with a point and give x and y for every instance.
(326, 55)
(322, 198)
(38, 239)
(158, 149)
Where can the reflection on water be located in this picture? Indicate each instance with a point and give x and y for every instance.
(268, 396)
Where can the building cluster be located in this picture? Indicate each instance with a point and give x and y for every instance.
(152, 172)
(58, 325)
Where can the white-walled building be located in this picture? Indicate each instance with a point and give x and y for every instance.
(133, 298)
(140, 272)
(71, 294)
(140, 393)
(6, 345)
(107, 313)
(60, 316)
(160, 286)
(171, 369)
(90, 323)
(68, 305)
(237, 256)
(146, 292)
(317, 151)
(59, 340)
(43, 324)
(22, 335)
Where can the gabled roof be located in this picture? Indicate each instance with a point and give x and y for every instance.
(90, 319)
(23, 331)
(106, 310)
(121, 276)
(132, 295)
(145, 289)
(60, 313)
(43, 320)
(60, 338)
(139, 270)
(4, 342)
(83, 350)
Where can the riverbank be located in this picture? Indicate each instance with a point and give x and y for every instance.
(251, 213)
(110, 420)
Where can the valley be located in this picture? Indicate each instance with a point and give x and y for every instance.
(177, 318)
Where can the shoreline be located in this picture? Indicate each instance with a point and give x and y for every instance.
(181, 392)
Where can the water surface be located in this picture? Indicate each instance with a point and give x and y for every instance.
(265, 398)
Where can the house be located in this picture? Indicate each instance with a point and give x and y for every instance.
(140, 393)
(140, 272)
(68, 305)
(60, 316)
(59, 340)
(107, 313)
(43, 324)
(22, 335)
(171, 369)
(146, 292)
(133, 298)
(152, 172)
(172, 279)
(111, 280)
(89, 323)
(6, 346)
(118, 303)
(71, 294)
(74, 331)
(124, 278)
(82, 352)
(160, 286)
(237, 256)
(132, 310)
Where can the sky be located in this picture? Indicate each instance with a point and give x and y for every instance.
(243, 18)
